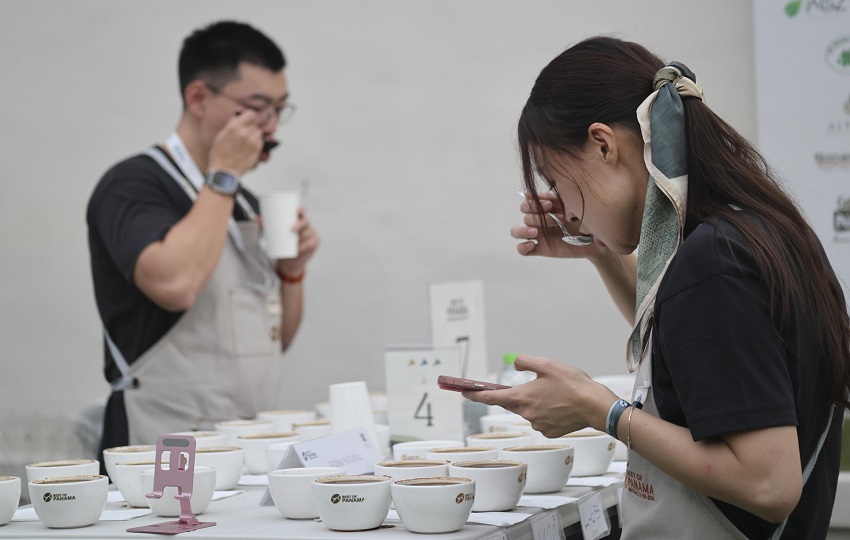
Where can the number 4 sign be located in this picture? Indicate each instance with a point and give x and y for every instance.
(418, 408)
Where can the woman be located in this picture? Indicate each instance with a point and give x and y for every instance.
(741, 329)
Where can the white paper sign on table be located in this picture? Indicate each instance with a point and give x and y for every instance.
(594, 518)
(457, 318)
(547, 526)
(418, 408)
(545, 501)
(352, 449)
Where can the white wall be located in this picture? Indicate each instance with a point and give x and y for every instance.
(405, 131)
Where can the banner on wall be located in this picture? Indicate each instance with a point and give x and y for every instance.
(802, 62)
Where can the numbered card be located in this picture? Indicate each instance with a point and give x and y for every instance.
(594, 518)
(457, 318)
(547, 526)
(418, 408)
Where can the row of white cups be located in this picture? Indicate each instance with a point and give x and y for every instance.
(507, 448)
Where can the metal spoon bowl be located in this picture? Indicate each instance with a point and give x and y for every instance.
(571, 239)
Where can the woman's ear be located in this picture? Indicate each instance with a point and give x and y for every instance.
(602, 142)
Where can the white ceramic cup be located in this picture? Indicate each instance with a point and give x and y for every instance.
(412, 468)
(491, 423)
(352, 503)
(433, 505)
(463, 453)
(594, 451)
(255, 446)
(323, 410)
(378, 401)
(234, 428)
(203, 487)
(419, 449)
(312, 430)
(66, 502)
(498, 483)
(292, 491)
(228, 462)
(10, 497)
(128, 477)
(280, 213)
(111, 456)
(205, 439)
(283, 419)
(275, 453)
(501, 439)
(66, 467)
(549, 465)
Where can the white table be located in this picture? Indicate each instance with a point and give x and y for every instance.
(241, 517)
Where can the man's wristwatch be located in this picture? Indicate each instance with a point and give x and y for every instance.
(223, 182)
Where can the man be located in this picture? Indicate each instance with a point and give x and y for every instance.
(195, 315)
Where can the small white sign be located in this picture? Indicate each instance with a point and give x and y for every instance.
(418, 408)
(547, 526)
(594, 519)
(351, 449)
(457, 318)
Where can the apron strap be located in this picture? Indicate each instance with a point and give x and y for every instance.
(125, 380)
(807, 472)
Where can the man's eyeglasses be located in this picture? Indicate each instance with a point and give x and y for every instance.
(265, 113)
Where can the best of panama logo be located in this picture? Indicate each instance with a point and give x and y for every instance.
(464, 497)
(336, 498)
(837, 55)
(48, 497)
(793, 8)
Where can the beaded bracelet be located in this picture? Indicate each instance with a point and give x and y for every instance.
(291, 279)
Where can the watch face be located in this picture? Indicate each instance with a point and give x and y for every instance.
(223, 182)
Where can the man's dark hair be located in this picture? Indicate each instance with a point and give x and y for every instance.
(213, 53)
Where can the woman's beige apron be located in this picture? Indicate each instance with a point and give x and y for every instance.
(657, 506)
(221, 360)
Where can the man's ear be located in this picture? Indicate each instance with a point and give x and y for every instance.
(602, 142)
(196, 95)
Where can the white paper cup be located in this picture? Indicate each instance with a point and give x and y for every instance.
(66, 502)
(501, 439)
(352, 503)
(280, 213)
(549, 465)
(594, 451)
(228, 462)
(464, 453)
(419, 449)
(292, 491)
(498, 483)
(66, 467)
(433, 505)
(111, 456)
(167, 506)
(412, 468)
(255, 446)
(10, 497)
(283, 419)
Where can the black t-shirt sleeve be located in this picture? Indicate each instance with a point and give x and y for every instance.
(717, 341)
(131, 212)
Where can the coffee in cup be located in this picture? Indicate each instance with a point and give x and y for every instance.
(499, 483)
(66, 502)
(352, 503)
(433, 505)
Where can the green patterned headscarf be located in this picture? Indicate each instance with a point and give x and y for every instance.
(662, 122)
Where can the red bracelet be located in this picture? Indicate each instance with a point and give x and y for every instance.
(291, 279)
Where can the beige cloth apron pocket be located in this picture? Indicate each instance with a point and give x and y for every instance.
(252, 327)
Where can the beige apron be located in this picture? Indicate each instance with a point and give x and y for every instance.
(221, 360)
(657, 506)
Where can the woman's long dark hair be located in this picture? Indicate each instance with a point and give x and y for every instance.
(604, 79)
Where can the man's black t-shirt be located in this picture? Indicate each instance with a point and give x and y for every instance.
(719, 366)
(135, 204)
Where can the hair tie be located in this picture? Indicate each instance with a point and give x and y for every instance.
(683, 79)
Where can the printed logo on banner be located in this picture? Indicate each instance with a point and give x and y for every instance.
(827, 161)
(840, 124)
(837, 55)
(792, 9)
(841, 220)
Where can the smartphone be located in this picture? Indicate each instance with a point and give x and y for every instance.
(458, 384)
